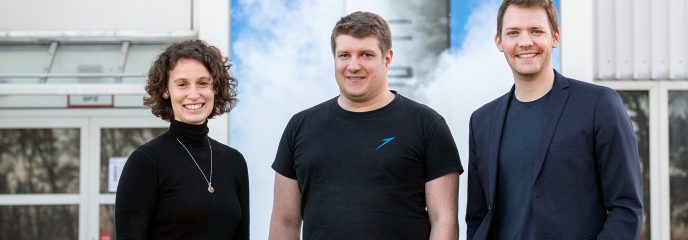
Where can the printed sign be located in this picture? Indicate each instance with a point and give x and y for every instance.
(115, 166)
(90, 101)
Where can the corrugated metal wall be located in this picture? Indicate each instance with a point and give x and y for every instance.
(641, 40)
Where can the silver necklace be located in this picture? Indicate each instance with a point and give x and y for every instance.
(210, 182)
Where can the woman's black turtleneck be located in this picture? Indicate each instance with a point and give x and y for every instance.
(163, 195)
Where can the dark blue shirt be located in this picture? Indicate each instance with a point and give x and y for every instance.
(519, 144)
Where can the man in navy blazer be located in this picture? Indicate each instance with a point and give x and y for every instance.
(554, 158)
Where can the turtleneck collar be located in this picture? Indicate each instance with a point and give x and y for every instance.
(189, 134)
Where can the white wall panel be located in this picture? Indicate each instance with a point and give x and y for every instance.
(605, 36)
(99, 15)
(677, 39)
(578, 42)
(623, 44)
(659, 33)
(641, 39)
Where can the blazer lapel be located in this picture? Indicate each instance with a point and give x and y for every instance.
(495, 140)
(557, 102)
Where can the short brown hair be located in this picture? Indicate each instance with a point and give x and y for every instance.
(363, 24)
(548, 5)
(224, 85)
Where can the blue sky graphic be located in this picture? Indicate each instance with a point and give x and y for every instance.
(459, 13)
(282, 60)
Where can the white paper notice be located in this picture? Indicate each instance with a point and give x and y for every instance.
(115, 166)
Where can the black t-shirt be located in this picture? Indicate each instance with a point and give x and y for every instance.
(362, 175)
(163, 195)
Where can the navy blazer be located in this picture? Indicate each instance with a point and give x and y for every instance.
(586, 177)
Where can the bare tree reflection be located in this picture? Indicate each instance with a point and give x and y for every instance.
(107, 224)
(39, 161)
(37, 222)
(637, 106)
(121, 142)
(678, 162)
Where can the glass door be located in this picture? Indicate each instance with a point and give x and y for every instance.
(659, 113)
(675, 123)
(59, 169)
(117, 138)
(42, 189)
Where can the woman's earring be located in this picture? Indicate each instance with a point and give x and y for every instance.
(165, 96)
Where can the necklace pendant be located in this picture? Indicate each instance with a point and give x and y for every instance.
(211, 189)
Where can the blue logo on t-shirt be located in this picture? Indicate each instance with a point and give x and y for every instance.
(384, 141)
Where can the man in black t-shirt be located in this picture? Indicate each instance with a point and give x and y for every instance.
(370, 163)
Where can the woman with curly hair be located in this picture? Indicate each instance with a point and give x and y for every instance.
(183, 184)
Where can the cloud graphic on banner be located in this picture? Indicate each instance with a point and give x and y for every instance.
(284, 65)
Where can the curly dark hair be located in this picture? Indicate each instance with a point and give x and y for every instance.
(224, 85)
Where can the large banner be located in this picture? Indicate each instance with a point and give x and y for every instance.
(444, 56)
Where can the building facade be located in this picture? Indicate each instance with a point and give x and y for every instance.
(72, 75)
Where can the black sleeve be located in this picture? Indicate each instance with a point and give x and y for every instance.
(136, 197)
(441, 154)
(242, 230)
(284, 159)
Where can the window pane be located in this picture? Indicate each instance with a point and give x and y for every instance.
(86, 59)
(121, 142)
(39, 161)
(22, 59)
(39, 222)
(140, 59)
(637, 105)
(678, 163)
(107, 222)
